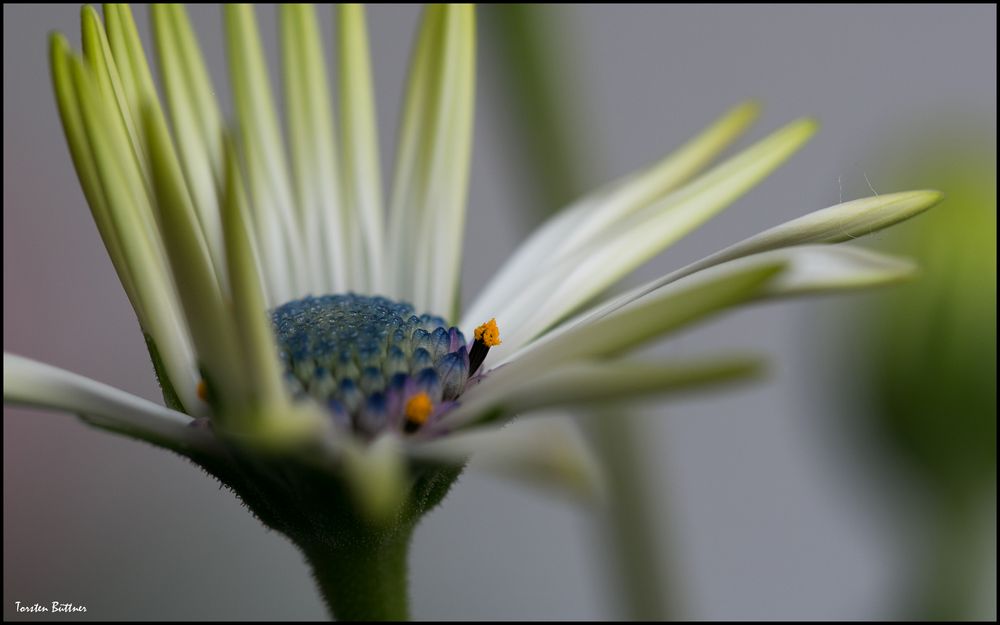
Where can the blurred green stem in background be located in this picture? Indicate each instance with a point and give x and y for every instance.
(643, 586)
(538, 83)
(926, 361)
(946, 586)
(538, 79)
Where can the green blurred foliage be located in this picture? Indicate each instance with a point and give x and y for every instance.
(924, 362)
(933, 345)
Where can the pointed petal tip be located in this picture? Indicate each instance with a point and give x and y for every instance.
(807, 126)
(891, 208)
(748, 110)
(89, 11)
(907, 204)
(58, 45)
(91, 29)
(928, 197)
(739, 118)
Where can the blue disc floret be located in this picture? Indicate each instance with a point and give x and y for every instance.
(372, 362)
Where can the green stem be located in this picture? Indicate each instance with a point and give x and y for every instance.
(547, 119)
(634, 542)
(359, 563)
(535, 82)
(365, 580)
(953, 556)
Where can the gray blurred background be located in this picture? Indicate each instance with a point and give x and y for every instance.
(771, 513)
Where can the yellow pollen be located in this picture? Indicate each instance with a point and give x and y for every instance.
(419, 408)
(202, 390)
(488, 333)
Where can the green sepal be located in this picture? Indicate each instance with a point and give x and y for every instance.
(359, 565)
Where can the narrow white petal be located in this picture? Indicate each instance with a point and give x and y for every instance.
(586, 382)
(619, 331)
(260, 364)
(547, 452)
(822, 269)
(404, 213)
(277, 225)
(653, 309)
(112, 180)
(205, 305)
(197, 122)
(614, 330)
(560, 289)
(586, 220)
(87, 167)
(362, 178)
(126, 46)
(327, 233)
(97, 52)
(174, 348)
(427, 209)
(271, 239)
(405, 209)
(32, 383)
(449, 182)
(842, 222)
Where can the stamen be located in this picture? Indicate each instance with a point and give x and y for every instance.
(418, 410)
(202, 390)
(488, 333)
(487, 336)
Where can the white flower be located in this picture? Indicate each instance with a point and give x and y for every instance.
(210, 227)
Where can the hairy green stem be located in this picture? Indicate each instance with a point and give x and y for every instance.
(364, 581)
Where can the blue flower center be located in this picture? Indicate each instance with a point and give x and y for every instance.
(366, 358)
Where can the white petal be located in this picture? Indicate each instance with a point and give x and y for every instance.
(560, 289)
(126, 46)
(586, 382)
(116, 192)
(823, 269)
(278, 229)
(205, 305)
(427, 209)
(362, 178)
(585, 220)
(86, 165)
(33, 383)
(122, 115)
(97, 52)
(835, 224)
(260, 364)
(197, 122)
(324, 220)
(842, 222)
(547, 452)
(623, 325)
